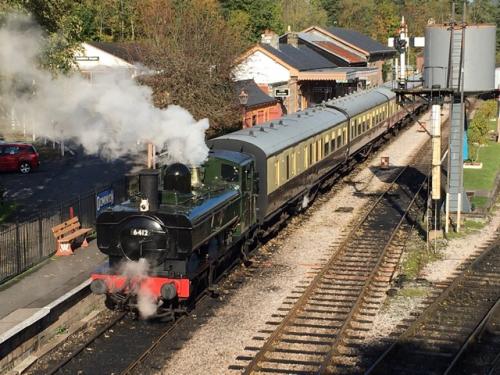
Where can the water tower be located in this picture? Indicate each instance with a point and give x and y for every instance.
(459, 61)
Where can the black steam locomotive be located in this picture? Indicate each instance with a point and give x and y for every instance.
(189, 224)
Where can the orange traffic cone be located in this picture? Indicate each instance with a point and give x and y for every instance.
(63, 249)
(85, 243)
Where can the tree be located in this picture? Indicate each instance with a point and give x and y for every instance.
(356, 15)
(299, 14)
(62, 26)
(477, 134)
(331, 8)
(385, 21)
(262, 15)
(482, 11)
(193, 52)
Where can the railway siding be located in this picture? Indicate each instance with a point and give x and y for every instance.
(433, 342)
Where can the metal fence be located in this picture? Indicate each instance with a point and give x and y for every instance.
(24, 244)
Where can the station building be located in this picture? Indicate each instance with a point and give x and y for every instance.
(259, 107)
(303, 69)
(96, 58)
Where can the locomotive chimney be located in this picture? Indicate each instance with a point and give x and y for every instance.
(148, 186)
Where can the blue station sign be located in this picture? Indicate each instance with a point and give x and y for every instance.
(104, 199)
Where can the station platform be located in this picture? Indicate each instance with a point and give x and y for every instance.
(27, 297)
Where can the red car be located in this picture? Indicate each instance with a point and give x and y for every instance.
(20, 157)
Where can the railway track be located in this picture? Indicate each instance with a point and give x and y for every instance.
(114, 348)
(312, 327)
(454, 335)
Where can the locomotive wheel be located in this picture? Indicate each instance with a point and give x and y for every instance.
(110, 304)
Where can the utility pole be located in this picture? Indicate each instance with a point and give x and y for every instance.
(498, 115)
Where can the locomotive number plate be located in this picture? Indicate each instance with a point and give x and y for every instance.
(139, 232)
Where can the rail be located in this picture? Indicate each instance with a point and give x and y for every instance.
(472, 337)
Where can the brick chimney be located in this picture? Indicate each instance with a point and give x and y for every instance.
(293, 39)
(271, 38)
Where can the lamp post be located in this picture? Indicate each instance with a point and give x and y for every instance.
(243, 97)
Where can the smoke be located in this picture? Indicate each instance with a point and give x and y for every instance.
(137, 272)
(107, 116)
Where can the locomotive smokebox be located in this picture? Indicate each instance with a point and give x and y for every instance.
(177, 178)
(148, 185)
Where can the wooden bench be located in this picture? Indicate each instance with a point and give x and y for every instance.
(66, 233)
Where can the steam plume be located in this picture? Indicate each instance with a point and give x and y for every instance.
(137, 272)
(107, 116)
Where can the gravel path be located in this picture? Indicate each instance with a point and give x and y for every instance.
(298, 250)
(459, 249)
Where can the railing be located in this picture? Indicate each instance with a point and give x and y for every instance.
(25, 244)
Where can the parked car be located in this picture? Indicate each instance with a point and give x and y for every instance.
(21, 157)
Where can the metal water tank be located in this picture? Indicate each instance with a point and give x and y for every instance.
(478, 62)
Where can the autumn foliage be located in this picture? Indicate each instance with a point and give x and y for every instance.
(193, 52)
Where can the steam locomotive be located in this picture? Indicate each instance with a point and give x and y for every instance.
(190, 224)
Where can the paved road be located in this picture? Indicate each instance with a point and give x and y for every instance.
(59, 181)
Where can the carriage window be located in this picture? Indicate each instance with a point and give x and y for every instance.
(306, 163)
(276, 173)
(339, 141)
(332, 144)
(310, 154)
(327, 148)
(229, 173)
(288, 167)
(318, 151)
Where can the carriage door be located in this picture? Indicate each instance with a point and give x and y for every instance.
(248, 198)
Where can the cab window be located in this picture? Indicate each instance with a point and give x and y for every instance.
(229, 173)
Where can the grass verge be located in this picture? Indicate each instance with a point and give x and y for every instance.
(416, 256)
(484, 178)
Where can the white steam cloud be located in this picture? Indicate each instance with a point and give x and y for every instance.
(136, 272)
(107, 116)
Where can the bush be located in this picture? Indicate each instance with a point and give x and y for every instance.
(489, 109)
(477, 134)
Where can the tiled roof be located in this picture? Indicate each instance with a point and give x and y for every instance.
(256, 97)
(301, 57)
(360, 40)
(130, 52)
(340, 52)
